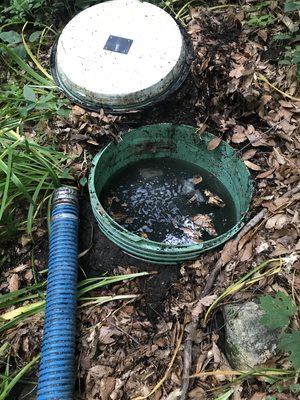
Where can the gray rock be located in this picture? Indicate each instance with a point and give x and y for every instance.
(247, 341)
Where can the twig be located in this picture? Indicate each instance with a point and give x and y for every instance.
(264, 79)
(222, 6)
(158, 385)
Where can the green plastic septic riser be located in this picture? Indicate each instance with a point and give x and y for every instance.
(179, 142)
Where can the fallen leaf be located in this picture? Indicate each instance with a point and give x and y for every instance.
(249, 154)
(238, 137)
(237, 72)
(265, 174)
(25, 239)
(252, 166)
(247, 252)
(214, 143)
(276, 221)
(214, 199)
(76, 110)
(228, 251)
(262, 247)
(14, 283)
(197, 179)
(174, 394)
(193, 234)
(106, 334)
(107, 385)
(204, 222)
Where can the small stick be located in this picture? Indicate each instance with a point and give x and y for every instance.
(264, 79)
(166, 375)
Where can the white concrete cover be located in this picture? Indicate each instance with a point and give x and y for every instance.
(153, 62)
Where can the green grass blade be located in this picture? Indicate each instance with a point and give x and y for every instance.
(22, 64)
(7, 182)
(16, 181)
(32, 205)
(34, 59)
(4, 393)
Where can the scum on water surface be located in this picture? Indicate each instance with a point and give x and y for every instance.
(170, 201)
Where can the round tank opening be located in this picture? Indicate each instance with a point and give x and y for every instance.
(162, 196)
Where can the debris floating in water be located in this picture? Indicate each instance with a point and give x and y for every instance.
(169, 201)
(214, 199)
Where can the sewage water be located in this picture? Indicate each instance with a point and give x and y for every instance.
(169, 201)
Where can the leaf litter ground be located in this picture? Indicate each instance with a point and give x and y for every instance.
(125, 348)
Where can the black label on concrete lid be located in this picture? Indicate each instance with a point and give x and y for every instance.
(118, 44)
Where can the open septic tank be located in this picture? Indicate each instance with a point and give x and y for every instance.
(220, 168)
(121, 55)
(159, 194)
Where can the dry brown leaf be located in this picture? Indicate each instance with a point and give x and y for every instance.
(201, 128)
(249, 154)
(237, 72)
(247, 252)
(238, 137)
(25, 239)
(174, 394)
(276, 221)
(76, 110)
(14, 283)
(197, 179)
(107, 386)
(193, 234)
(204, 222)
(277, 204)
(228, 251)
(259, 396)
(252, 166)
(213, 199)
(257, 138)
(106, 334)
(263, 33)
(265, 174)
(204, 302)
(214, 143)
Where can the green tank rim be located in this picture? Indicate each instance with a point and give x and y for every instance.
(167, 135)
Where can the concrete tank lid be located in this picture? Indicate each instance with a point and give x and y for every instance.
(119, 53)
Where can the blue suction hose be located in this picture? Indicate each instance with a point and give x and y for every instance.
(57, 365)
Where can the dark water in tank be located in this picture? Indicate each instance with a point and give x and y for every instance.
(169, 201)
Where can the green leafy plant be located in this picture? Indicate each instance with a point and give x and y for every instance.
(260, 20)
(291, 5)
(290, 38)
(30, 95)
(278, 311)
(291, 342)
